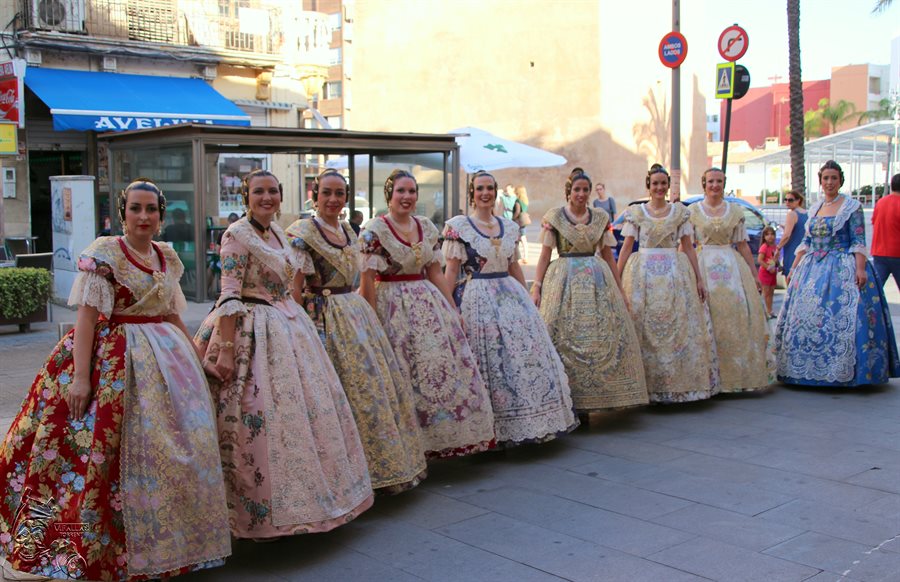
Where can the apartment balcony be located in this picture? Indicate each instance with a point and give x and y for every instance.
(244, 32)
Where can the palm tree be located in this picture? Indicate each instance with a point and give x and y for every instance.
(795, 80)
(838, 113)
(881, 5)
(885, 111)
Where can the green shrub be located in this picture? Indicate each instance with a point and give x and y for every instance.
(23, 291)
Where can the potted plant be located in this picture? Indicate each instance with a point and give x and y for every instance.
(24, 293)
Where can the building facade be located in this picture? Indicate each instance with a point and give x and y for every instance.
(261, 57)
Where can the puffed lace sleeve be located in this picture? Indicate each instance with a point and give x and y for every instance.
(548, 234)
(453, 247)
(303, 259)
(740, 232)
(179, 303)
(607, 240)
(685, 226)
(629, 225)
(371, 253)
(234, 265)
(858, 232)
(93, 285)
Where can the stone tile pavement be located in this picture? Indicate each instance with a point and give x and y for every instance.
(792, 484)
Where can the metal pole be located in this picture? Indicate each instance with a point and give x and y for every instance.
(676, 106)
(727, 133)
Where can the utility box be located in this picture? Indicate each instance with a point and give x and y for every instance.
(74, 227)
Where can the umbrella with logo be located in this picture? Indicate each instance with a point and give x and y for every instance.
(482, 150)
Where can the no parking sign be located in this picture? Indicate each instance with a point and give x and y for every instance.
(673, 49)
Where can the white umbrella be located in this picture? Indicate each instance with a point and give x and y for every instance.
(481, 150)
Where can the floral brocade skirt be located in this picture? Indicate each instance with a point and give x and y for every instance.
(589, 324)
(452, 403)
(380, 396)
(673, 326)
(291, 453)
(132, 490)
(831, 333)
(528, 385)
(738, 319)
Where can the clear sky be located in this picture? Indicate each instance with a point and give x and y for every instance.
(832, 33)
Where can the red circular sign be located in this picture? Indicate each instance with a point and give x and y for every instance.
(733, 43)
(673, 49)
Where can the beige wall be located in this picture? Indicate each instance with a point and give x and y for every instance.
(561, 76)
(850, 83)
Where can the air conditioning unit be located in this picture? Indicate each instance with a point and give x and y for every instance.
(59, 15)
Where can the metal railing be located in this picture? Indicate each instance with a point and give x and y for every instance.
(270, 27)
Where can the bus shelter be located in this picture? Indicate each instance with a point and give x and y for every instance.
(199, 167)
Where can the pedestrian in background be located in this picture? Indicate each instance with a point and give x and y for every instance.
(523, 219)
(886, 235)
(794, 229)
(290, 449)
(506, 202)
(356, 220)
(605, 202)
(768, 267)
(835, 327)
(111, 469)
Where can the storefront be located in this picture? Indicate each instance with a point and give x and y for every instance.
(199, 168)
(66, 109)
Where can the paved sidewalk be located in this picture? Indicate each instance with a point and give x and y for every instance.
(789, 485)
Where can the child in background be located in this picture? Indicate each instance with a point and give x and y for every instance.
(768, 267)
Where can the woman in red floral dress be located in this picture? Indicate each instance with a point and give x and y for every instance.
(111, 469)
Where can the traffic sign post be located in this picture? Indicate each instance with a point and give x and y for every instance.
(733, 43)
(733, 82)
(673, 49)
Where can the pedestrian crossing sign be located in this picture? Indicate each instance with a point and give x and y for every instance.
(724, 80)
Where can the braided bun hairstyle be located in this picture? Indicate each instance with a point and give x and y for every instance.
(471, 189)
(657, 169)
(323, 175)
(575, 175)
(141, 184)
(831, 165)
(389, 183)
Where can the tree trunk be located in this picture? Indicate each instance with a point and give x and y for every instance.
(798, 165)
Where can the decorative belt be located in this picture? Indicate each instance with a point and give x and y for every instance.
(136, 319)
(497, 275)
(572, 255)
(326, 291)
(253, 300)
(400, 278)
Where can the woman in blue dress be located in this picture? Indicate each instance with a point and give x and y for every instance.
(835, 328)
(794, 228)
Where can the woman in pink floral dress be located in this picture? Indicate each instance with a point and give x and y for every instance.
(402, 279)
(291, 453)
(111, 471)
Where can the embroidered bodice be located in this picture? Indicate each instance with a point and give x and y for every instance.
(657, 233)
(718, 230)
(386, 253)
(251, 268)
(557, 227)
(331, 265)
(478, 252)
(114, 282)
(844, 232)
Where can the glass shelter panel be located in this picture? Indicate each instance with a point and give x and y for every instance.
(172, 168)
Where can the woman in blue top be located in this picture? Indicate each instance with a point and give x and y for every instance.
(794, 228)
(835, 328)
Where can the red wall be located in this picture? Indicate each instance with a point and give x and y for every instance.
(765, 112)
